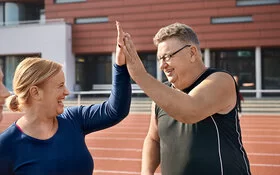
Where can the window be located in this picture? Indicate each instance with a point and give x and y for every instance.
(93, 69)
(256, 2)
(149, 59)
(1, 14)
(14, 13)
(240, 63)
(150, 62)
(9, 64)
(270, 69)
(225, 20)
(91, 20)
(67, 1)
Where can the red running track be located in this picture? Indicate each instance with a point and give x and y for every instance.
(117, 150)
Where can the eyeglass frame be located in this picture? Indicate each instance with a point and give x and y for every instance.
(167, 57)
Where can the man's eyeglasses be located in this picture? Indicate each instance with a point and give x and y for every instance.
(167, 57)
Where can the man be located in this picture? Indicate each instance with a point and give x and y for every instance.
(4, 93)
(194, 127)
(240, 97)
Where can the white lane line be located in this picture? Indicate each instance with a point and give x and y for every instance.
(113, 138)
(262, 122)
(128, 159)
(265, 165)
(126, 133)
(139, 160)
(127, 127)
(146, 127)
(260, 142)
(138, 123)
(114, 149)
(264, 154)
(260, 125)
(141, 113)
(142, 139)
(260, 136)
(119, 158)
(261, 130)
(116, 172)
(119, 172)
(259, 114)
(140, 150)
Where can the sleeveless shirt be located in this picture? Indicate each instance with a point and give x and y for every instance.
(212, 146)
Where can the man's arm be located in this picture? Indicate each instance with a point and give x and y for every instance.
(151, 148)
(216, 94)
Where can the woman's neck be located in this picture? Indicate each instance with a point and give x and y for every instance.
(38, 126)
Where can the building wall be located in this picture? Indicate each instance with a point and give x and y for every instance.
(142, 19)
(53, 41)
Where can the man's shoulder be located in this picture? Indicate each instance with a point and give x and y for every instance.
(212, 70)
(218, 74)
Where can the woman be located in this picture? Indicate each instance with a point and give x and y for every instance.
(4, 93)
(48, 139)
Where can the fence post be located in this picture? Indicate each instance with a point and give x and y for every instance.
(79, 99)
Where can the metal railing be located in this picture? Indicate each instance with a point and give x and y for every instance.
(136, 91)
(103, 92)
(261, 91)
(18, 23)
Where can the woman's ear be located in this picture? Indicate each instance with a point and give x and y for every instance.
(35, 92)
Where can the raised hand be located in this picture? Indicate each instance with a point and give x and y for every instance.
(120, 58)
(134, 64)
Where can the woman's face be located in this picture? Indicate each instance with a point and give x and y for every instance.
(4, 93)
(54, 92)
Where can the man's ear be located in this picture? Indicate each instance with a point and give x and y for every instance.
(193, 52)
(35, 92)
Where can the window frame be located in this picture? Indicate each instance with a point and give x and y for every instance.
(91, 20)
(68, 1)
(232, 19)
(256, 2)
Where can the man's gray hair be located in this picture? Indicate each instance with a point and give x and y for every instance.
(177, 30)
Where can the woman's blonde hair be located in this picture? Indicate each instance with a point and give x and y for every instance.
(30, 72)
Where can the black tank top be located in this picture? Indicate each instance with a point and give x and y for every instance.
(212, 146)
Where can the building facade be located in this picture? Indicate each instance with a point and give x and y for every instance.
(241, 36)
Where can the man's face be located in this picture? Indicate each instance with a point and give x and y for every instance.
(176, 66)
(4, 93)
